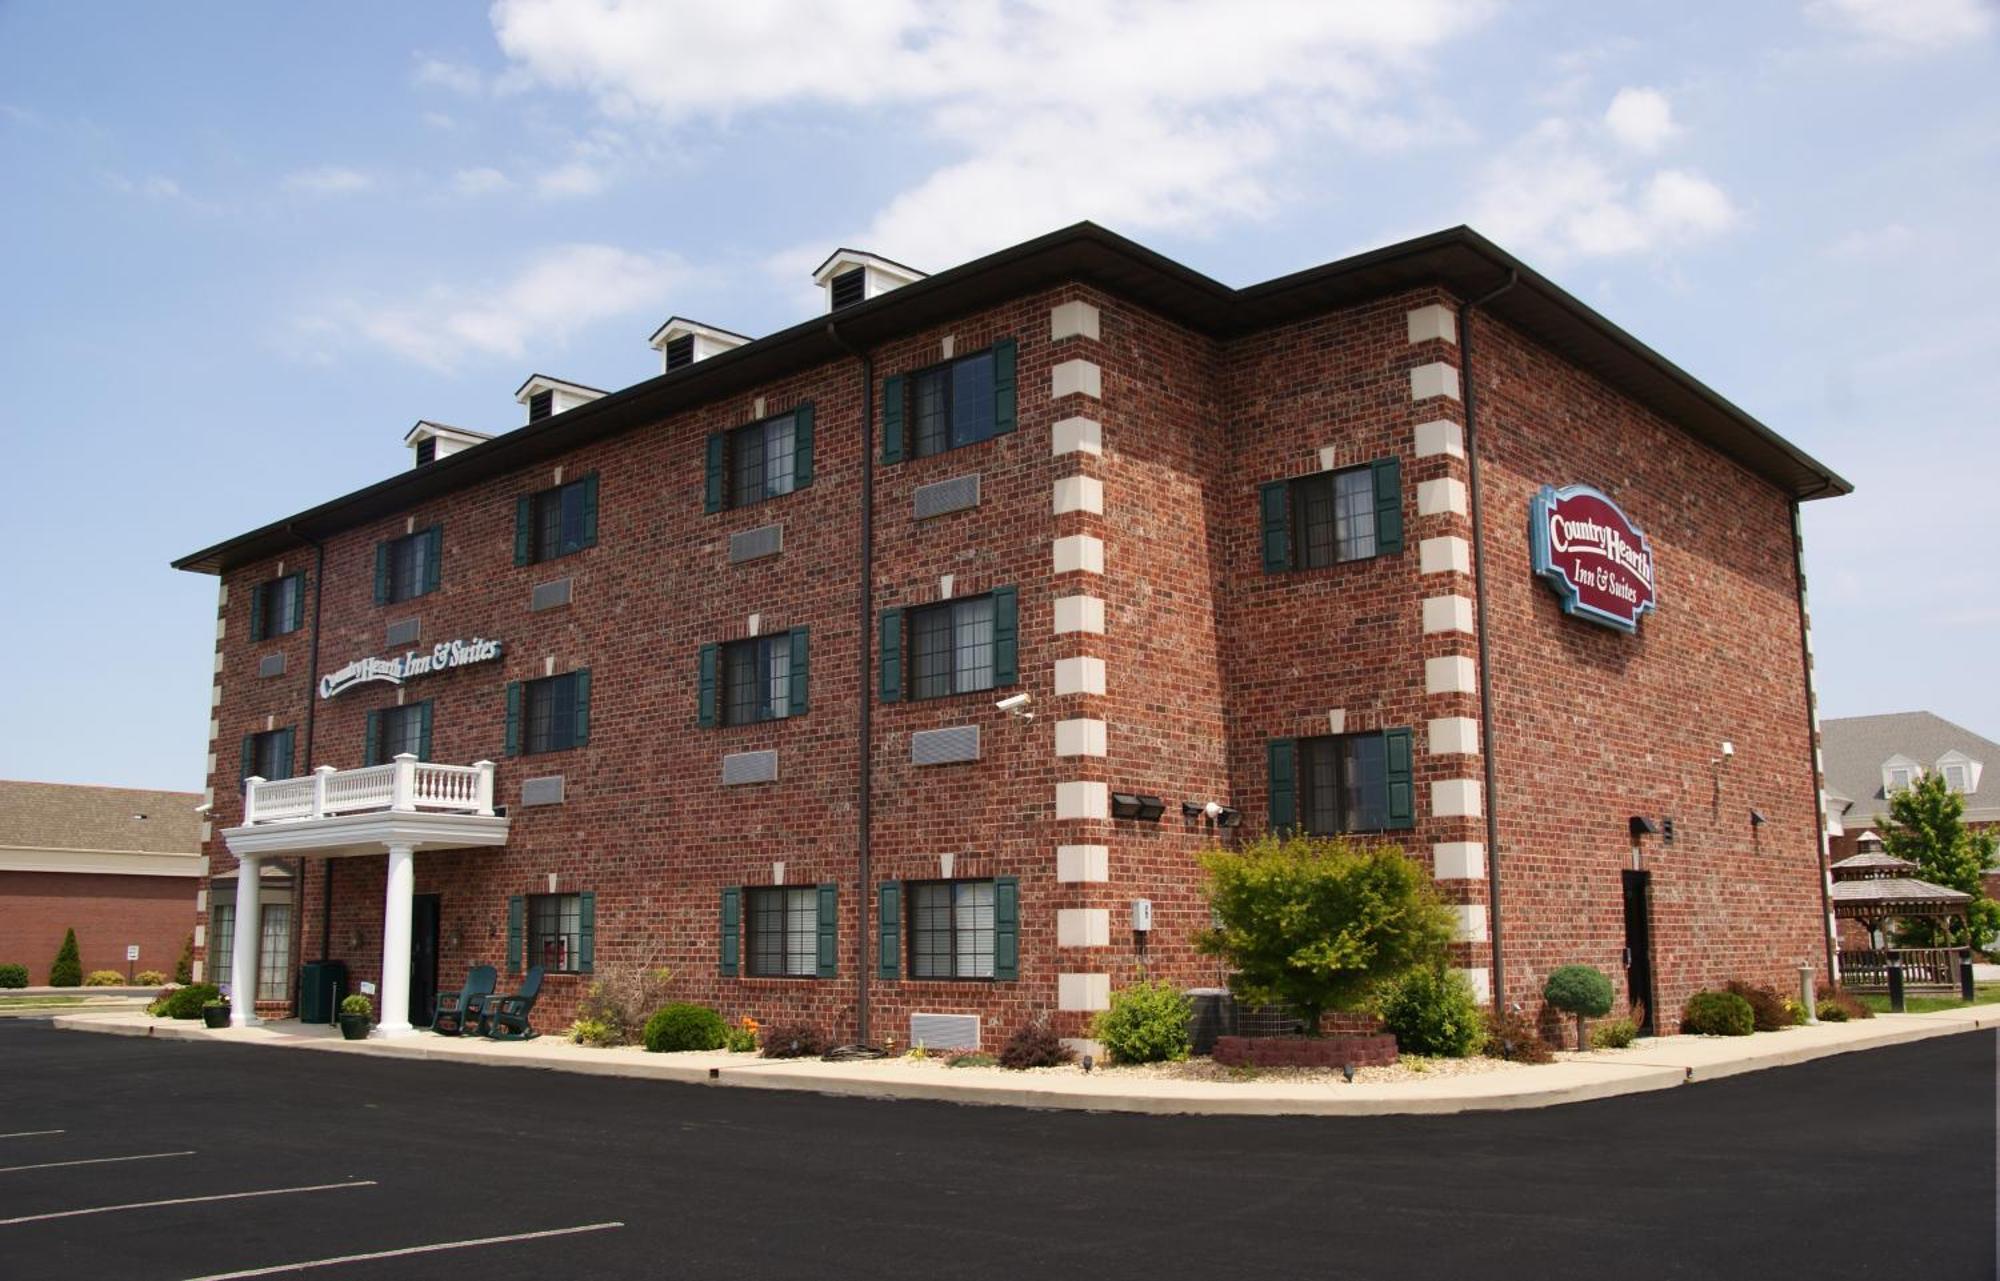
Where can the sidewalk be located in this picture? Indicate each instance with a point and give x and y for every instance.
(1656, 1064)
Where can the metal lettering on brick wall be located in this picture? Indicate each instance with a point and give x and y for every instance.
(441, 657)
(1596, 560)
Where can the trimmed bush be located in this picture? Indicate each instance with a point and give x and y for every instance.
(1583, 991)
(597, 1032)
(13, 976)
(1147, 1023)
(357, 1004)
(149, 978)
(793, 1041)
(1034, 1045)
(104, 978)
(1512, 1035)
(1847, 1005)
(184, 1002)
(1718, 1014)
(1767, 1008)
(1831, 1013)
(1614, 1034)
(684, 1026)
(1432, 1010)
(68, 968)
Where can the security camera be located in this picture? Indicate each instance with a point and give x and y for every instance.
(203, 808)
(1016, 705)
(1728, 749)
(1213, 810)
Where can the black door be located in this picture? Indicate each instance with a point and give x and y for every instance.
(1639, 948)
(423, 959)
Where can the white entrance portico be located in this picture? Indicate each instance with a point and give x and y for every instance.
(394, 809)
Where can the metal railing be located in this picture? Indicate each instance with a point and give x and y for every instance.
(406, 784)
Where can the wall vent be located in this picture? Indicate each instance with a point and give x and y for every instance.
(954, 495)
(404, 631)
(546, 790)
(749, 767)
(755, 544)
(945, 1031)
(549, 595)
(945, 746)
(271, 665)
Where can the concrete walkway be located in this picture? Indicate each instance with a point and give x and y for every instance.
(1657, 1063)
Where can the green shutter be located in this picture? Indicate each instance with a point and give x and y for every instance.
(892, 655)
(257, 613)
(718, 446)
(513, 718)
(889, 927)
(1388, 506)
(705, 697)
(424, 730)
(382, 571)
(1282, 756)
(299, 603)
(802, 446)
(590, 510)
(288, 752)
(892, 419)
(249, 764)
(1273, 507)
(433, 559)
(586, 931)
(1006, 635)
(371, 749)
(1399, 782)
(1003, 386)
(580, 726)
(801, 657)
(524, 528)
(1006, 927)
(517, 911)
(827, 919)
(732, 901)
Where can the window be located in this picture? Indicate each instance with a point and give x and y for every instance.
(784, 932)
(555, 932)
(395, 730)
(1899, 779)
(1956, 778)
(1343, 784)
(556, 522)
(541, 405)
(407, 567)
(952, 645)
(680, 352)
(278, 607)
(548, 715)
(222, 943)
(951, 930)
(760, 461)
(757, 680)
(427, 450)
(274, 953)
(952, 405)
(849, 287)
(1331, 517)
(268, 755)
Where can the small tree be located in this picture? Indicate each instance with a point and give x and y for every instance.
(1926, 825)
(68, 968)
(1581, 990)
(1316, 924)
(184, 968)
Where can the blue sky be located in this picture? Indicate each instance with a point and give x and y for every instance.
(247, 246)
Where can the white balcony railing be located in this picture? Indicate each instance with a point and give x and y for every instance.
(405, 784)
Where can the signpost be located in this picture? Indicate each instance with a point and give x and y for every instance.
(131, 957)
(1596, 560)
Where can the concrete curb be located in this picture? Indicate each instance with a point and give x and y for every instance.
(1570, 1081)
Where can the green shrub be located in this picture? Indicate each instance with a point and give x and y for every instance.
(13, 976)
(740, 1037)
(357, 1004)
(1615, 1034)
(1767, 1008)
(1432, 1010)
(972, 1058)
(793, 1041)
(1147, 1023)
(1511, 1035)
(184, 1002)
(104, 978)
(184, 968)
(684, 1026)
(68, 968)
(1034, 1045)
(149, 978)
(598, 1032)
(1832, 1012)
(1718, 1014)
(1844, 1003)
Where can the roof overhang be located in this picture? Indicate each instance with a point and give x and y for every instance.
(542, 382)
(425, 427)
(677, 325)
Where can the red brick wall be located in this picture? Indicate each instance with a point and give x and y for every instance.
(108, 913)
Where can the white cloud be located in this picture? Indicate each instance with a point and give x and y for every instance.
(576, 178)
(436, 73)
(1892, 240)
(1641, 119)
(548, 300)
(328, 180)
(480, 182)
(1907, 25)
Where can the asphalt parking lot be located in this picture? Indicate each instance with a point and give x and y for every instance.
(167, 1161)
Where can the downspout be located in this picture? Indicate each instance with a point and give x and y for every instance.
(864, 646)
(1812, 743)
(312, 707)
(1471, 391)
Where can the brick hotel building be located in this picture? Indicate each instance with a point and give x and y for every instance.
(897, 666)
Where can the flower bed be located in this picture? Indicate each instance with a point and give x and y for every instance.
(1302, 1051)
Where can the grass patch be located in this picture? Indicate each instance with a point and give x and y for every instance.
(1982, 994)
(37, 1002)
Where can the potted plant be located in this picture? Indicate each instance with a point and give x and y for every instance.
(356, 1013)
(215, 1013)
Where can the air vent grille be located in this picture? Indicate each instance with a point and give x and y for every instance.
(850, 287)
(945, 746)
(755, 544)
(749, 767)
(954, 495)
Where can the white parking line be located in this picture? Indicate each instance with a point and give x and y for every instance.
(29, 1134)
(184, 1200)
(408, 1249)
(95, 1160)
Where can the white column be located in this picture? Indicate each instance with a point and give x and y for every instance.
(395, 996)
(243, 977)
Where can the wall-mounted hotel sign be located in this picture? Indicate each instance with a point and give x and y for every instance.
(417, 662)
(1598, 562)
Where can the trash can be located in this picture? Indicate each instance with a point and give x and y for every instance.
(321, 985)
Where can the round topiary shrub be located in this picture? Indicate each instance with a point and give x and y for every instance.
(1432, 1010)
(685, 1026)
(1147, 1023)
(184, 1002)
(1582, 990)
(147, 978)
(13, 976)
(1718, 1014)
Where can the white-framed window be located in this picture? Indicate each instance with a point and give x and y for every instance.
(1958, 777)
(1896, 779)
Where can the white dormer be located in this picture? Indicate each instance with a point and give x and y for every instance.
(1898, 772)
(429, 441)
(545, 396)
(1961, 772)
(682, 342)
(851, 277)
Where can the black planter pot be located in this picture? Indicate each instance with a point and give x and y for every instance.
(354, 1026)
(215, 1015)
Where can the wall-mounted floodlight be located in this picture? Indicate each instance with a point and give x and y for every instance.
(1147, 809)
(1643, 826)
(1757, 818)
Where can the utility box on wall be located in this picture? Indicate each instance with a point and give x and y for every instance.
(321, 985)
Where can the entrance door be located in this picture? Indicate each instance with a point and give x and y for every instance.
(1639, 946)
(423, 959)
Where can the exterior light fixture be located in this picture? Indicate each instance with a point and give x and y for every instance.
(1151, 808)
(1643, 826)
(1191, 811)
(1214, 811)
(1757, 818)
(1666, 831)
(1088, 1063)
(1347, 1072)
(1147, 809)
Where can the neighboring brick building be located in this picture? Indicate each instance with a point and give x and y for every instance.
(1230, 545)
(121, 866)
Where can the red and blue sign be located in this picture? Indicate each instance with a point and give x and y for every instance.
(1597, 560)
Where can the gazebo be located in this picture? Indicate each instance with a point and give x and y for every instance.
(1872, 888)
